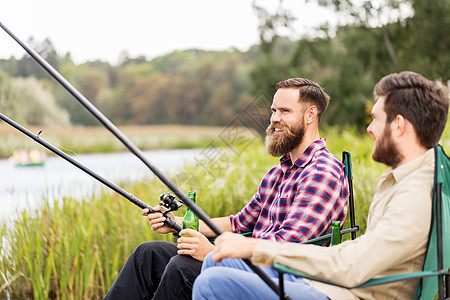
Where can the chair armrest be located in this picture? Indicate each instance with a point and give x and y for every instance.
(326, 238)
(371, 282)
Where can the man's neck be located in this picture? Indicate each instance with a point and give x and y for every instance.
(412, 153)
(307, 140)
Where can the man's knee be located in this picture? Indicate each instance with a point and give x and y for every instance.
(147, 250)
(208, 261)
(182, 270)
(180, 263)
(203, 285)
(178, 278)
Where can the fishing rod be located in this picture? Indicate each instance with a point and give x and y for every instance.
(37, 138)
(134, 149)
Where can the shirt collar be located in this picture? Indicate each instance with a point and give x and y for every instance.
(306, 157)
(404, 170)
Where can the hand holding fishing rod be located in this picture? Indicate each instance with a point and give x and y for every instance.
(167, 205)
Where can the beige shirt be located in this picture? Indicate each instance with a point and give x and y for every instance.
(394, 242)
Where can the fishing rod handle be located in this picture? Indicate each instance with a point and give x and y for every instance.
(168, 221)
(172, 224)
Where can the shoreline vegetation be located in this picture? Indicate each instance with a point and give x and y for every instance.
(84, 140)
(74, 248)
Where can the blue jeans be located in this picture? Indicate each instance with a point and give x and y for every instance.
(233, 279)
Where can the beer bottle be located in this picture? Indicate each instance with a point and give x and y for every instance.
(190, 219)
(335, 233)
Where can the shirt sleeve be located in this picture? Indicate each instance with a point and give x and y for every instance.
(321, 199)
(399, 236)
(245, 220)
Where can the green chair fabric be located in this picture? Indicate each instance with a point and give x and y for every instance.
(440, 233)
(437, 260)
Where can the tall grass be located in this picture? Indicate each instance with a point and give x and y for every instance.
(98, 139)
(74, 248)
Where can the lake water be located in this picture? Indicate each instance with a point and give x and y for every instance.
(24, 187)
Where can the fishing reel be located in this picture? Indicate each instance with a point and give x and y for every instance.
(168, 201)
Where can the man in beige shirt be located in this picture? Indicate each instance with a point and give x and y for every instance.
(409, 116)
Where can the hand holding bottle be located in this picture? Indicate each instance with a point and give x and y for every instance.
(194, 243)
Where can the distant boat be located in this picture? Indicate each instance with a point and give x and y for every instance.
(33, 158)
(37, 164)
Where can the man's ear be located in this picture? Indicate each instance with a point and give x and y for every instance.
(399, 125)
(311, 114)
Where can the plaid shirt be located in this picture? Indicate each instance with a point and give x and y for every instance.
(297, 202)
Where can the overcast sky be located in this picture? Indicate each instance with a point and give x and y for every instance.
(102, 29)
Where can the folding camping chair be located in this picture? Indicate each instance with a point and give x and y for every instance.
(437, 260)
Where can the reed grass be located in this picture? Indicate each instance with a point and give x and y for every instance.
(74, 248)
(83, 140)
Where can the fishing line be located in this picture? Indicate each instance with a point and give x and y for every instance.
(37, 138)
(135, 150)
(61, 147)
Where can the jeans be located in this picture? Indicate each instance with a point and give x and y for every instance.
(154, 269)
(233, 279)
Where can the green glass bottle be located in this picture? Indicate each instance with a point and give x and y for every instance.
(335, 233)
(190, 219)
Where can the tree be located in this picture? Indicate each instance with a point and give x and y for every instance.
(414, 32)
(268, 68)
(93, 80)
(10, 102)
(429, 31)
(27, 66)
(40, 107)
(374, 38)
(149, 95)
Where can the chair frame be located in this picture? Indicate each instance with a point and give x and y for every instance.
(347, 161)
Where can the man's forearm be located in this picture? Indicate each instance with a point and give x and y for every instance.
(224, 223)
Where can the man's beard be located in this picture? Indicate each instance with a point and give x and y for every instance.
(281, 143)
(386, 151)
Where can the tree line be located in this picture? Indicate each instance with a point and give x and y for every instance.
(214, 87)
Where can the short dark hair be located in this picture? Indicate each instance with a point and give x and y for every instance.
(309, 91)
(419, 100)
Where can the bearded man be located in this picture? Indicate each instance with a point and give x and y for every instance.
(296, 200)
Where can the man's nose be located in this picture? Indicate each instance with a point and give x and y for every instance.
(369, 129)
(275, 118)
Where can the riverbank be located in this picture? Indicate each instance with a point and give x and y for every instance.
(26, 187)
(83, 140)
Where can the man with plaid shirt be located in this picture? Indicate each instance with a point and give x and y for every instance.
(297, 200)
